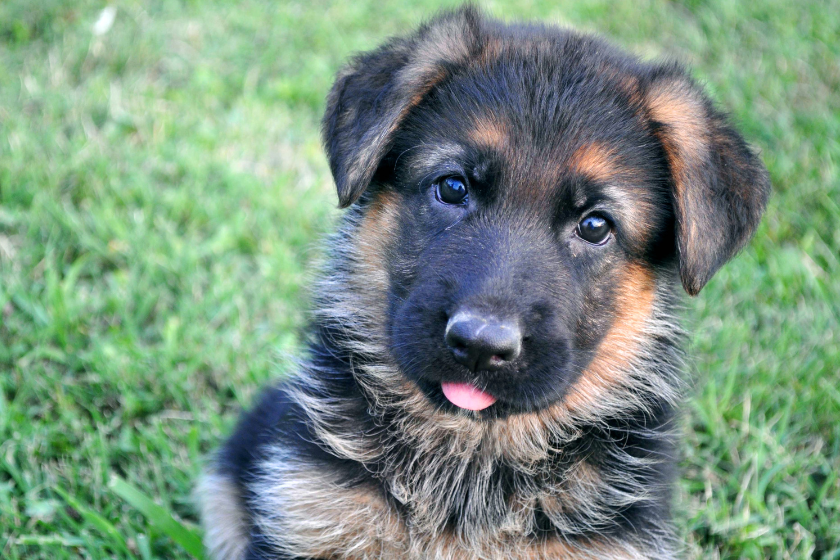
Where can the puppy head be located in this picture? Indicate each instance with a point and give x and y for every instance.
(528, 196)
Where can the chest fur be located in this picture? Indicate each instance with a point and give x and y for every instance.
(306, 512)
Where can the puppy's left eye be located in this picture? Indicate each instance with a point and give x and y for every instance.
(594, 229)
(451, 190)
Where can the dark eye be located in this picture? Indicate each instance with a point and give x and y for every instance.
(594, 229)
(452, 190)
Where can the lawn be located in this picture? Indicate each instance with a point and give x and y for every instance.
(162, 194)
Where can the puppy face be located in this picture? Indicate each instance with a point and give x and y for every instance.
(529, 198)
(521, 226)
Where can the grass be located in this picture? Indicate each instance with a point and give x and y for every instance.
(162, 191)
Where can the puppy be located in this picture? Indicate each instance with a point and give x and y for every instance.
(494, 360)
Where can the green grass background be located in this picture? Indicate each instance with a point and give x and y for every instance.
(162, 191)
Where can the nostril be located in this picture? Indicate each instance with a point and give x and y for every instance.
(509, 350)
(457, 334)
(496, 360)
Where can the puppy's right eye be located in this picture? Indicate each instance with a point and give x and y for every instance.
(594, 229)
(451, 190)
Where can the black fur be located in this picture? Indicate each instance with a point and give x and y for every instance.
(576, 456)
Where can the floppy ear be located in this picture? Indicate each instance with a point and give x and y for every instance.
(720, 187)
(374, 93)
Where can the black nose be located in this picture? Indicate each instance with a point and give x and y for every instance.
(483, 343)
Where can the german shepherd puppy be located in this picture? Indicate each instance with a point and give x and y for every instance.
(494, 360)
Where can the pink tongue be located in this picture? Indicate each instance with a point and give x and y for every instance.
(467, 396)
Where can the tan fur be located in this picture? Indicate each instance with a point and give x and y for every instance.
(322, 519)
(677, 106)
(582, 482)
(635, 297)
(222, 516)
(596, 161)
(630, 85)
(489, 133)
(376, 234)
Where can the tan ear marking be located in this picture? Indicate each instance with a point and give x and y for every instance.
(685, 139)
(675, 105)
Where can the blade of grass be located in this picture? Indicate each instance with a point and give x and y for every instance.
(94, 519)
(188, 538)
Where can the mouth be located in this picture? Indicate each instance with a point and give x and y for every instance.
(467, 396)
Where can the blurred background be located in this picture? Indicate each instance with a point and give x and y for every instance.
(163, 191)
